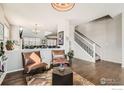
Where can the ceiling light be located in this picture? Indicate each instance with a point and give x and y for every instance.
(20, 28)
(36, 29)
(62, 6)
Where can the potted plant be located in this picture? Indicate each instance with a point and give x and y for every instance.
(9, 45)
(1, 49)
(2, 52)
(70, 55)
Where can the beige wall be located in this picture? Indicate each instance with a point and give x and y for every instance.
(106, 33)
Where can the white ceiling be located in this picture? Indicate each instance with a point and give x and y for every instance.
(28, 15)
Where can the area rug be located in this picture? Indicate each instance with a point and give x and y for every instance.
(46, 79)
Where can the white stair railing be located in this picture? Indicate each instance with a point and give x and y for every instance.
(87, 45)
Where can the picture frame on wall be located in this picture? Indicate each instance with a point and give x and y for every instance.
(61, 38)
(1, 32)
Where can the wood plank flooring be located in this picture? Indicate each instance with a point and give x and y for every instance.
(15, 78)
(93, 72)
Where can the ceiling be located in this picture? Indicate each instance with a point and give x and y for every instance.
(43, 14)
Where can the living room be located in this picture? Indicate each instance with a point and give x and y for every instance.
(56, 46)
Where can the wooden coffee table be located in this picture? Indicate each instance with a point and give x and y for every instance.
(62, 77)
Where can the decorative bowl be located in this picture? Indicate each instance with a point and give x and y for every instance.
(61, 69)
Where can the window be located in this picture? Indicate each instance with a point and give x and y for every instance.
(31, 41)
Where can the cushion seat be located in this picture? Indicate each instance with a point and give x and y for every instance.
(30, 67)
(60, 60)
(33, 61)
(58, 57)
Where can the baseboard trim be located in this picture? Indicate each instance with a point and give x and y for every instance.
(83, 60)
(112, 61)
(15, 70)
(2, 78)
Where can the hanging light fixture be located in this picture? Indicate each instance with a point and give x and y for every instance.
(36, 30)
(62, 6)
(21, 32)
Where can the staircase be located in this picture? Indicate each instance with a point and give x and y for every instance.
(89, 46)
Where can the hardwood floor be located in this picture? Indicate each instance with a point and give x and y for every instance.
(15, 78)
(93, 72)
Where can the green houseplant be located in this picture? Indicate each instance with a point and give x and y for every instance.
(1, 49)
(70, 55)
(9, 45)
(2, 52)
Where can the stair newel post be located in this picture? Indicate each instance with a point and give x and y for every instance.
(94, 52)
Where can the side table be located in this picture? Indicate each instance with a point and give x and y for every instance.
(62, 77)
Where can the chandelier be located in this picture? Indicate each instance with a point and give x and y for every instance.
(62, 6)
(36, 30)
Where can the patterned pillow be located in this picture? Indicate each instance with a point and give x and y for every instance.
(28, 62)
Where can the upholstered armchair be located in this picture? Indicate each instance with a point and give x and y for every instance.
(58, 57)
(32, 62)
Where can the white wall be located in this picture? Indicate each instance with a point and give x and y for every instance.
(122, 39)
(114, 40)
(4, 21)
(14, 61)
(78, 51)
(64, 25)
(15, 33)
(107, 34)
(2, 17)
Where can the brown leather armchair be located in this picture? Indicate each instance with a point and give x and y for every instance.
(58, 57)
(32, 61)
